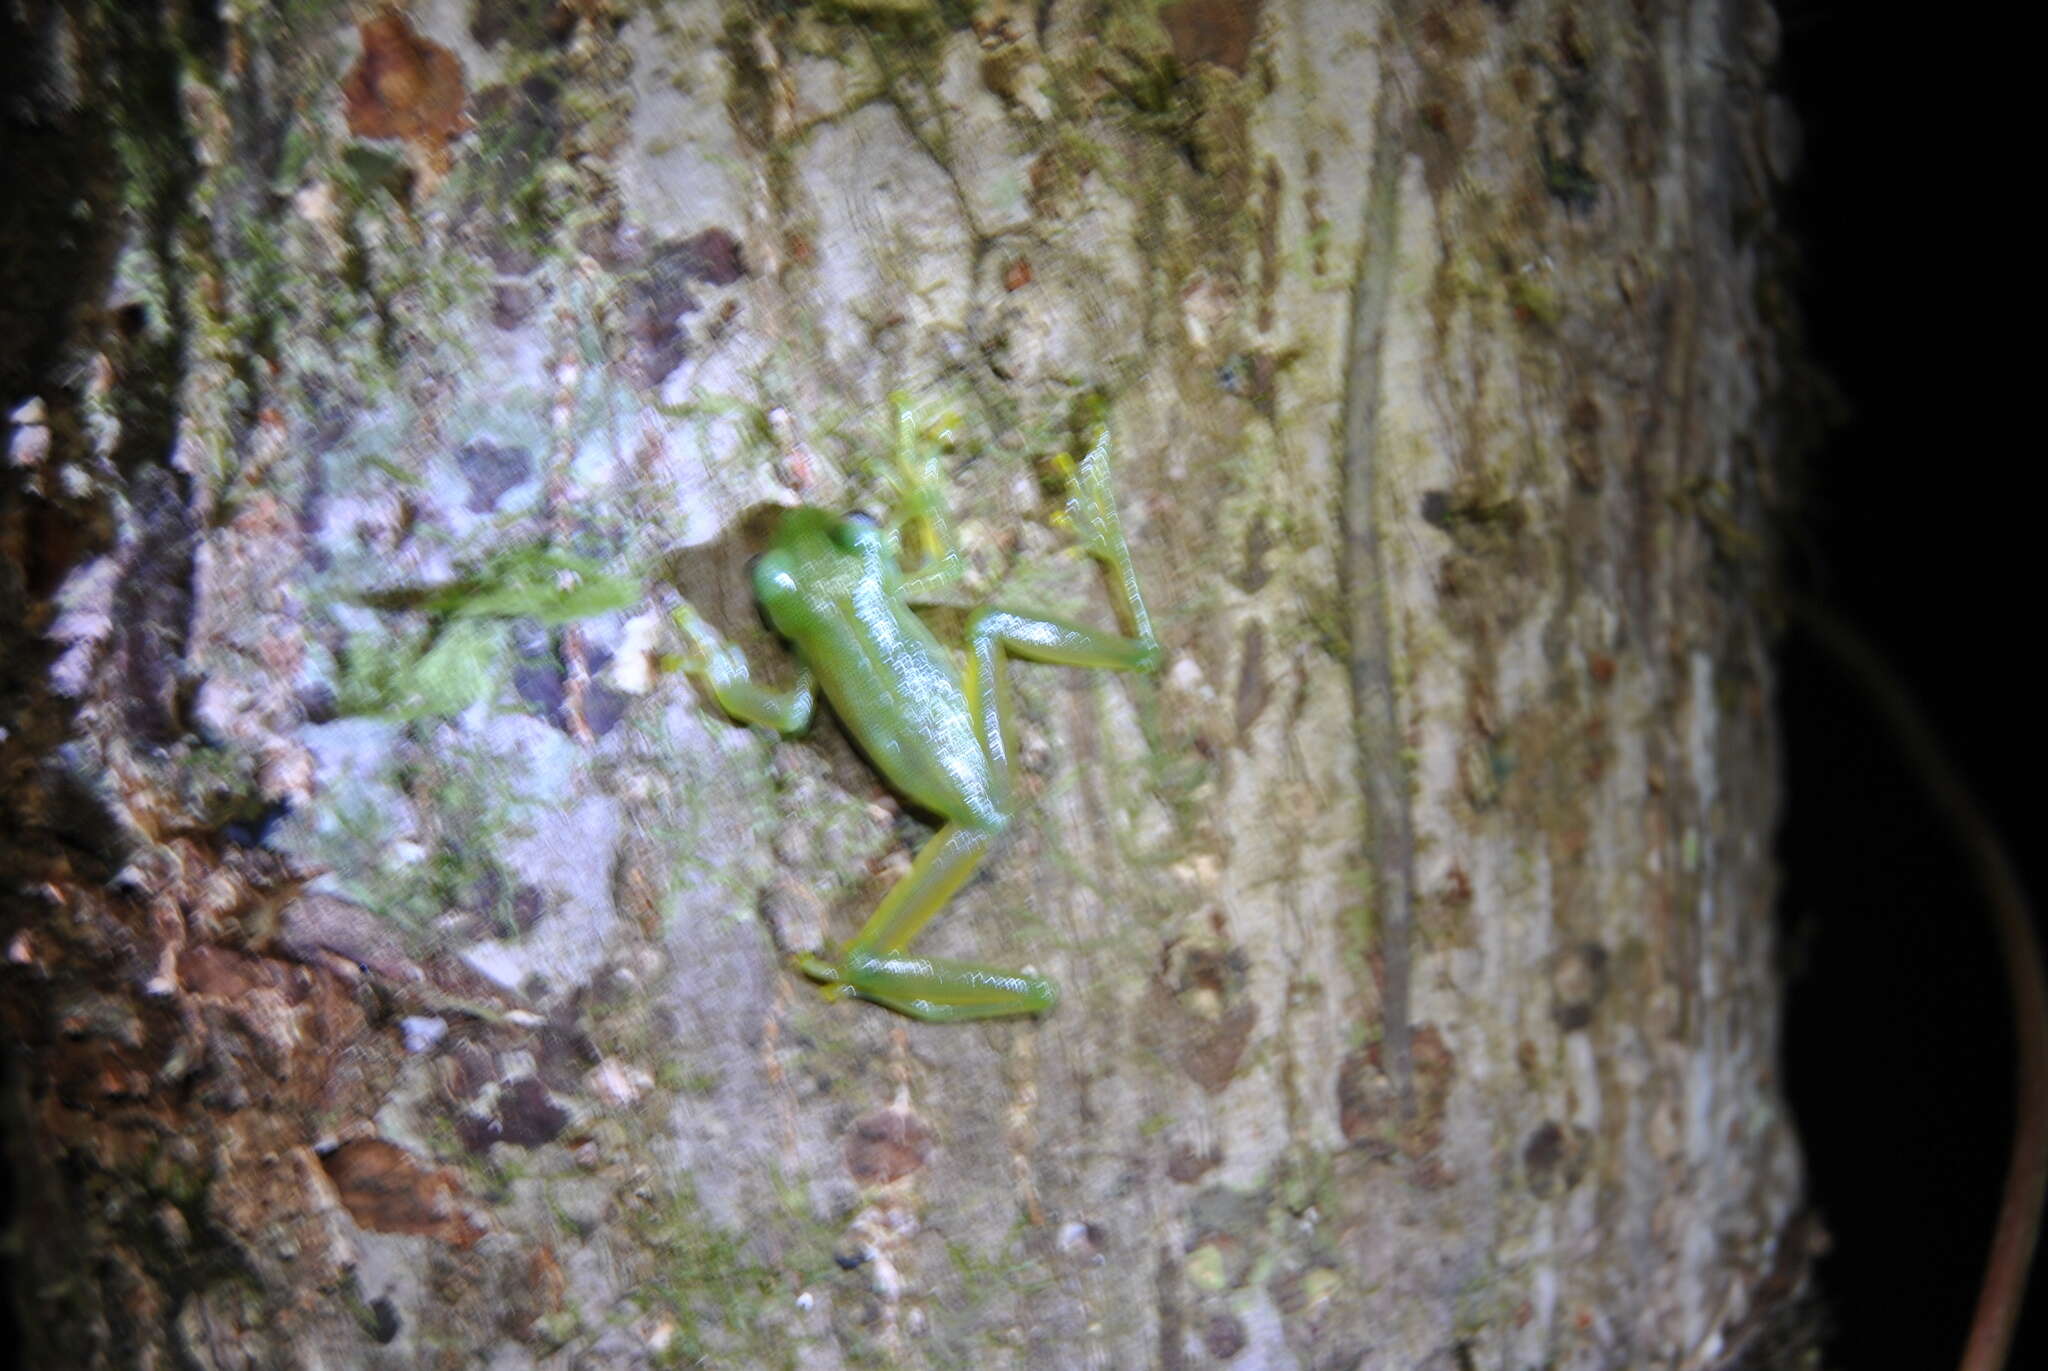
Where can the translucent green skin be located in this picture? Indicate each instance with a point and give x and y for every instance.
(833, 587)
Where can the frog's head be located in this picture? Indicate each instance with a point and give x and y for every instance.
(809, 534)
(818, 556)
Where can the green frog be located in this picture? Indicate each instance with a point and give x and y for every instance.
(935, 726)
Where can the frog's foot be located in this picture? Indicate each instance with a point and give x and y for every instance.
(701, 643)
(921, 523)
(1091, 513)
(825, 973)
(1091, 504)
(930, 988)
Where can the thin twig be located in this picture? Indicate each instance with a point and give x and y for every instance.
(2012, 921)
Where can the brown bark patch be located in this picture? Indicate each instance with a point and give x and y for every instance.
(1369, 1108)
(1218, 31)
(152, 612)
(534, 1290)
(887, 1145)
(713, 257)
(527, 1115)
(1578, 982)
(405, 86)
(1252, 687)
(269, 1196)
(467, 1068)
(220, 971)
(476, 1133)
(1434, 1067)
(659, 297)
(1258, 544)
(1200, 1009)
(1554, 1158)
(1224, 1336)
(387, 1190)
(85, 1075)
(1188, 1166)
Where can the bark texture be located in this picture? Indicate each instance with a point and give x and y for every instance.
(396, 963)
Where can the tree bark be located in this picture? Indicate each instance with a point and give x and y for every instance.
(398, 956)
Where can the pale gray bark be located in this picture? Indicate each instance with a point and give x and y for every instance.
(1413, 923)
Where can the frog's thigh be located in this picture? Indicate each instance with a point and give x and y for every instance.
(1054, 640)
(994, 634)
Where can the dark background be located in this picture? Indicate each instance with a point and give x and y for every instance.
(1919, 527)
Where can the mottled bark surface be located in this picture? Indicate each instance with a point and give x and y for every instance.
(396, 964)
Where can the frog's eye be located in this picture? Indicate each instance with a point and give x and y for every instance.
(857, 532)
(771, 576)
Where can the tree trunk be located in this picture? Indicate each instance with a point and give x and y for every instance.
(398, 956)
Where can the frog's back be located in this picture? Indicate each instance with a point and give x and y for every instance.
(828, 588)
(898, 691)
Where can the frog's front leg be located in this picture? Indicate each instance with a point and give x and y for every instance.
(723, 670)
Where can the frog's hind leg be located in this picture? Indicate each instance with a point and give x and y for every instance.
(876, 964)
(995, 635)
(876, 967)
